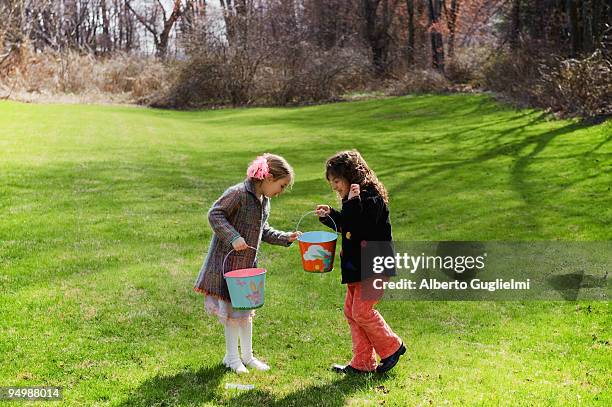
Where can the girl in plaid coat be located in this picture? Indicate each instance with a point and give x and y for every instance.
(239, 219)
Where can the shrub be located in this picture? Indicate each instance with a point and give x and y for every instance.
(305, 74)
(418, 81)
(513, 74)
(119, 77)
(569, 87)
(219, 75)
(465, 64)
(287, 74)
(579, 87)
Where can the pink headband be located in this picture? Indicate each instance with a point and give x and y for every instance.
(258, 168)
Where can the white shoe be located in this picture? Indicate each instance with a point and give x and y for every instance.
(236, 366)
(257, 365)
(245, 332)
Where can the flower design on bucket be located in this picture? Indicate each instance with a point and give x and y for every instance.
(316, 252)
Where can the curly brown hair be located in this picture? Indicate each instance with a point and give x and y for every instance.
(351, 166)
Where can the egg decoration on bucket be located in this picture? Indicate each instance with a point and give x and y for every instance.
(317, 248)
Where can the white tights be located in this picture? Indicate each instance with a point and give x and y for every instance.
(232, 359)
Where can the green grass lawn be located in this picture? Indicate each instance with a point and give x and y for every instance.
(103, 230)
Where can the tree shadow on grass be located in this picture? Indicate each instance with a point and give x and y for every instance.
(523, 150)
(569, 285)
(195, 387)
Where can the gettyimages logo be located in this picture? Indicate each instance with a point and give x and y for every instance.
(486, 270)
(412, 263)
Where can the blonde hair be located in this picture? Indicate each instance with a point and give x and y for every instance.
(278, 167)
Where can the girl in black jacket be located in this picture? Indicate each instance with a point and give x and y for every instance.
(364, 218)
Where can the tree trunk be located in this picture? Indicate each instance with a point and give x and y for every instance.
(572, 15)
(437, 44)
(162, 46)
(515, 24)
(369, 9)
(452, 27)
(539, 23)
(595, 22)
(410, 45)
(106, 38)
(376, 32)
(586, 20)
(235, 13)
(129, 33)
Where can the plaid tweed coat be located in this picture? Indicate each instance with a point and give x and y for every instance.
(237, 213)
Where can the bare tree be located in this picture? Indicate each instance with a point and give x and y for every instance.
(410, 39)
(573, 20)
(194, 14)
(11, 21)
(378, 15)
(515, 23)
(451, 14)
(236, 17)
(437, 44)
(11, 28)
(158, 23)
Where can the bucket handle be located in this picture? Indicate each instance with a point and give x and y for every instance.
(230, 252)
(309, 212)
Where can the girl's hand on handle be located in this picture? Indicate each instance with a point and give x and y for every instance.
(294, 235)
(240, 244)
(354, 191)
(323, 211)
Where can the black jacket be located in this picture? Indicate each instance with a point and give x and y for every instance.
(362, 219)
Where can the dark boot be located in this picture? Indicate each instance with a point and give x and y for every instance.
(389, 363)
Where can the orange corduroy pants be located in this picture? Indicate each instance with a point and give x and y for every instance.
(370, 333)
